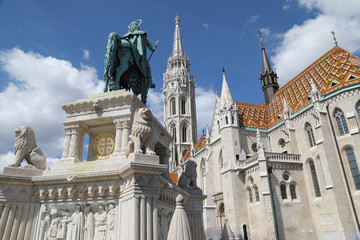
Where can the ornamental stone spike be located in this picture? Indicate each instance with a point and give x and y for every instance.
(225, 91)
(179, 227)
(177, 47)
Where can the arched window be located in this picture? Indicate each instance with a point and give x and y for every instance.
(173, 106)
(283, 191)
(250, 196)
(174, 133)
(184, 152)
(282, 143)
(293, 191)
(315, 179)
(254, 147)
(354, 167)
(226, 120)
(183, 106)
(341, 122)
(310, 134)
(184, 133)
(218, 123)
(256, 193)
(176, 158)
(358, 108)
(232, 120)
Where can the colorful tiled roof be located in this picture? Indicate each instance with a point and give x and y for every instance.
(334, 70)
(252, 115)
(199, 145)
(174, 177)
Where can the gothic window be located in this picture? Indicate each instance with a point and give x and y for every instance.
(173, 106)
(315, 179)
(283, 191)
(256, 193)
(358, 108)
(310, 134)
(254, 147)
(341, 122)
(218, 123)
(183, 106)
(184, 130)
(176, 158)
(232, 120)
(184, 152)
(354, 167)
(250, 196)
(293, 191)
(174, 132)
(282, 143)
(226, 120)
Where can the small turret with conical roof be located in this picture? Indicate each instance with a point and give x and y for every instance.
(268, 76)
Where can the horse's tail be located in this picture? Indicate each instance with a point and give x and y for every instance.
(110, 57)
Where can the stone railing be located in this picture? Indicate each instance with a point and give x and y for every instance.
(282, 157)
(250, 161)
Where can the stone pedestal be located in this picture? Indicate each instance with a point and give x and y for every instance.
(23, 172)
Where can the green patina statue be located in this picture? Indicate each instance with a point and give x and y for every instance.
(126, 64)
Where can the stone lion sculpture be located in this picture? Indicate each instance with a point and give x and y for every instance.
(25, 148)
(141, 138)
(188, 177)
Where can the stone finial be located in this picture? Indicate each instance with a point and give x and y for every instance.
(179, 227)
(207, 139)
(260, 146)
(286, 110)
(315, 93)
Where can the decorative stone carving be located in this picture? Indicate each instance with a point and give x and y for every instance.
(89, 228)
(100, 223)
(188, 177)
(111, 222)
(25, 148)
(141, 138)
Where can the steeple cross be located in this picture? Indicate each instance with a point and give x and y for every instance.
(333, 33)
(260, 35)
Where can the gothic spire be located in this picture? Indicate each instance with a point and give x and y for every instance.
(266, 67)
(268, 76)
(177, 47)
(225, 91)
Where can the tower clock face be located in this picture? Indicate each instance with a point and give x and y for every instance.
(104, 145)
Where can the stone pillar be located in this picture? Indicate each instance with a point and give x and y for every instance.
(155, 219)
(67, 143)
(143, 218)
(76, 143)
(137, 218)
(3, 220)
(118, 136)
(9, 222)
(149, 219)
(125, 134)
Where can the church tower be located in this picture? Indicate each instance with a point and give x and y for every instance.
(268, 76)
(179, 99)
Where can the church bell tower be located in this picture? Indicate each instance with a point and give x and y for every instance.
(179, 99)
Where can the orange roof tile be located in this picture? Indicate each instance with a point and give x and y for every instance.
(334, 70)
(174, 177)
(199, 145)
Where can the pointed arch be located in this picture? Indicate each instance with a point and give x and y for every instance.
(173, 106)
(314, 178)
(310, 134)
(341, 121)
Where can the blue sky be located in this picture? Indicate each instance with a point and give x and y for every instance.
(52, 52)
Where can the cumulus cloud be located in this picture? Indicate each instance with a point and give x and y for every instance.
(265, 32)
(155, 102)
(205, 25)
(86, 54)
(205, 103)
(38, 86)
(304, 43)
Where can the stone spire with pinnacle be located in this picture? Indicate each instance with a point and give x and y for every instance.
(225, 91)
(268, 76)
(179, 99)
(177, 46)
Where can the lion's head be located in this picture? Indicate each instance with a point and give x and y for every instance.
(25, 138)
(142, 121)
(190, 168)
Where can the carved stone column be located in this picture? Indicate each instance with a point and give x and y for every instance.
(125, 134)
(76, 143)
(118, 135)
(67, 143)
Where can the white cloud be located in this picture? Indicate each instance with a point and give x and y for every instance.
(155, 102)
(304, 43)
(6, 159)
(205, 25)
(39, 86)
(86, 53)
(252, 19)
(205, 101)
